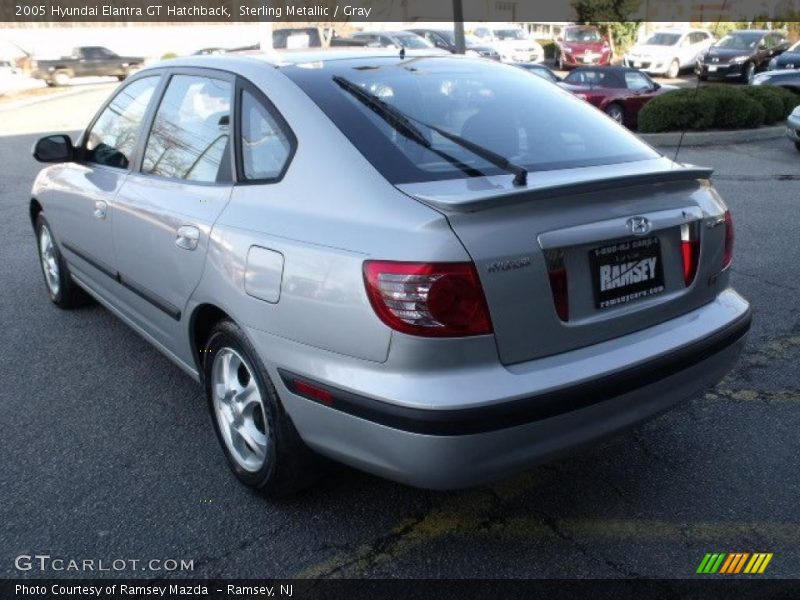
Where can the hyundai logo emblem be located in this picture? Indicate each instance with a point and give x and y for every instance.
(638, 225)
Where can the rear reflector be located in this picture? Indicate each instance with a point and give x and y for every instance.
(428, 299)
(303, 388)
(690, 251)
(727, 255)
(557, 273)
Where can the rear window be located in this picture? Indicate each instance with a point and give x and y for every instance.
(525, 119)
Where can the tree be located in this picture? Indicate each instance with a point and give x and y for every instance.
(611, 17)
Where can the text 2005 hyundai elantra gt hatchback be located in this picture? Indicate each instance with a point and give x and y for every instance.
(436, 269)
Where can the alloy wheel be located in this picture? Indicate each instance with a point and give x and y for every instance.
(239, 409)
(49, 258)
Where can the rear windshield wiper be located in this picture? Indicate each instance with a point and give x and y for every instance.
(403, 124)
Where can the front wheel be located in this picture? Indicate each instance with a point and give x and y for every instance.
(259, 440)
(616, 112)
(63, 291)
(748, 73)
(674, 69)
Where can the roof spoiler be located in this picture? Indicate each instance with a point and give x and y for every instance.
(475, 201)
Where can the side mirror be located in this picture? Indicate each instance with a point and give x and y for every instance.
(54, 149)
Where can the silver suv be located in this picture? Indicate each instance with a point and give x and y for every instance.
(433, 268)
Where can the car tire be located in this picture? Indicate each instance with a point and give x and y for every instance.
(674, 69)
(703, 77)
(259, 440)
(797, 145)
(748, 72)
(61, 288)
(61, 78)
(616, 112)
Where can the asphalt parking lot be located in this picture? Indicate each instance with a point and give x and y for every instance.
(108, 451)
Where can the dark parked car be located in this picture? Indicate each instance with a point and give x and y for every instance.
(785, 78)
(540, 70)
(787, 60)
(445, 39)
(86, 61)
(740, 54)
(620, 92)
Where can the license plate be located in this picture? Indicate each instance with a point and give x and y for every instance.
(626, 271)
(712, 69)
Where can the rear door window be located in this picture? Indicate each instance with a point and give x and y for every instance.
(190, 135)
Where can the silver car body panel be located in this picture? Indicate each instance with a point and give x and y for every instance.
(308, 313)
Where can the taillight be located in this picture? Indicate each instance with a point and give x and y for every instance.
(557, 272)
(428, 299)
(690, 251)
(727, 255)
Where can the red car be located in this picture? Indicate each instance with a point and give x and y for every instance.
(619, 91)
(582, 45)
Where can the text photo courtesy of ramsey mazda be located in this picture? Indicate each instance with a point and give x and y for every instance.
(438, 269)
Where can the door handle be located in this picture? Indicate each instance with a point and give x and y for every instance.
(187, 237)
(100, 208)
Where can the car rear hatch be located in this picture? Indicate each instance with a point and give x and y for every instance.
(583, 255)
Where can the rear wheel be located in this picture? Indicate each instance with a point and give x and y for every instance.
(616, 112)
(703, 77)
(62, 78)
(63, 291)
(674, 69)
(259, 440)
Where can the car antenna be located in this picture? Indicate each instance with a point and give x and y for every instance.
(402, 53)
(697, 85)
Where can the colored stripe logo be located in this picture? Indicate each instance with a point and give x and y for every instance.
(734, 563)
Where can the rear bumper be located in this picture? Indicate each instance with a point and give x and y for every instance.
(469, 445)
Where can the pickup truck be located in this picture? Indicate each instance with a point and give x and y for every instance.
(86, 61)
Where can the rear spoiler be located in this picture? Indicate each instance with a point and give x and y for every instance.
(494, 196)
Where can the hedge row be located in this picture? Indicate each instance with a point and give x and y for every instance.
(717, 107)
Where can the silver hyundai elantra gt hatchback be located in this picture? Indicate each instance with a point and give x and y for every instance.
(437, 269)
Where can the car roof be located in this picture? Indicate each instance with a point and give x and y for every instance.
(286, 58)
(383, 32)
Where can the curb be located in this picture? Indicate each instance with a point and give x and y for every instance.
(713, 138)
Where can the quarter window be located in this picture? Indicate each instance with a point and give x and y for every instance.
(190, 134)
(265, 146)
(112, 139)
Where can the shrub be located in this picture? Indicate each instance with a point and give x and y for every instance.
(549, 47)
(735, 109)
(790, 99)
(718, 107)
(771, 99)
(678, 110)
(168, 56)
